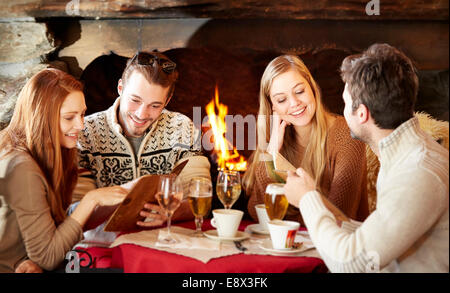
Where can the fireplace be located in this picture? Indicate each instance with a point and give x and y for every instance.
(217, 43)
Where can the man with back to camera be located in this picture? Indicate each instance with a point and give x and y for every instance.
(137, 136)
(408, 231)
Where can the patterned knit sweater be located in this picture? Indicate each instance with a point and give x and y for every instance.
(344, 181)
(109, 157)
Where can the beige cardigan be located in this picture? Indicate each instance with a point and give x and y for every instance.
(27, 229)
(408, 231)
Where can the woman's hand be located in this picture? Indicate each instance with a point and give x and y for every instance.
(277, 134)
(108, 196)
(28, 266)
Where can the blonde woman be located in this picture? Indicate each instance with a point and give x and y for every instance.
(38, 173)
(308, 136)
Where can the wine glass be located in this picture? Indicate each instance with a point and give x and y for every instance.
(228, 187)
(199, 198)
(169, 196)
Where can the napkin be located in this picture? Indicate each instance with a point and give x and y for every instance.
(186, 242)
(202, 249)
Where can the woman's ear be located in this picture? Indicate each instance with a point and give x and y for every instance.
(120, 87)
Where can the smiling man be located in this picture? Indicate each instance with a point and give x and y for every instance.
(137, 136)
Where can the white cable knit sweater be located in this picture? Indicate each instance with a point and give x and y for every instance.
(408, 231)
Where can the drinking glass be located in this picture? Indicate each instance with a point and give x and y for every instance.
(169, 196)
(228, 187)
(275, 201)
(199, 198)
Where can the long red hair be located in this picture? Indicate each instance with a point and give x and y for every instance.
(35, 129)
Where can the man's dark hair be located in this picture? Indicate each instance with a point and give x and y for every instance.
(385, 80)
(155, 67)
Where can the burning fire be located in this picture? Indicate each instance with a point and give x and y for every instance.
(227, 155)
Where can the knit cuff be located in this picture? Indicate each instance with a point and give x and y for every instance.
(350, 226)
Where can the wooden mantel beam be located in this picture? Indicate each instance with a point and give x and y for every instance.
(227, 9)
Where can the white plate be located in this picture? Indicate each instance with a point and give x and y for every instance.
(257, 228)
(267, 245)
(212, 234)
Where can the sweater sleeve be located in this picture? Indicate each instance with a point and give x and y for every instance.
(404, 215)
(197, 166)
(348, 190)
(46, 244)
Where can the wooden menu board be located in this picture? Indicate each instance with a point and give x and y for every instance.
(126, 215)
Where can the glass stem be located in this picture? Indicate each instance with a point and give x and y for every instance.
(169, 217)
(198, 224)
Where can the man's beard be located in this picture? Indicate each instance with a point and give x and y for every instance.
(354, 136)
(362, 136)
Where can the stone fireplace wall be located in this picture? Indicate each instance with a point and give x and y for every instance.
(216, 43)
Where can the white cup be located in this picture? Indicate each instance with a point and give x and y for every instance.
(282, 233)
(226, 221)
(263, 218)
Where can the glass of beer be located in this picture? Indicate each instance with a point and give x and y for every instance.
(228, 187)
(275, 201)
(199, 198)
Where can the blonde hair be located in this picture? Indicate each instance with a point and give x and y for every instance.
(35, 129)
(314, 159)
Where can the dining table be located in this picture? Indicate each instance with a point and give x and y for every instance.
(133, 258)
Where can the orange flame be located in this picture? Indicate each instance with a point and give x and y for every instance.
(227, 155)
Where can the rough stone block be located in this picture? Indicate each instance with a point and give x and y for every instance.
(23, 41)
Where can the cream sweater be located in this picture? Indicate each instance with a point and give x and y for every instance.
(408, 231)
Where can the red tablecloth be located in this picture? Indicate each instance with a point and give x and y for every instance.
(136, 259)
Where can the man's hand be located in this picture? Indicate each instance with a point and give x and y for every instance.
(156, 219)
(297, 185)
(300, 183)
(28, 266)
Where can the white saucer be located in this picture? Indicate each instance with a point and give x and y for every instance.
(267, 245)
(212, 234)
(257, 228)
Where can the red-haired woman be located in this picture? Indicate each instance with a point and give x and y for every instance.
(38, 173)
